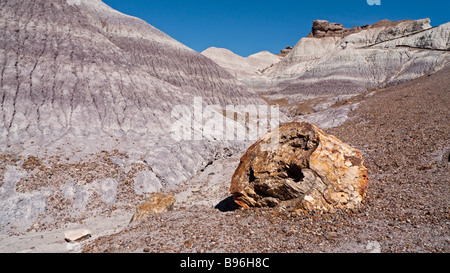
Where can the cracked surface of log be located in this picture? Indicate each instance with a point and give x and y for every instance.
(309, 170)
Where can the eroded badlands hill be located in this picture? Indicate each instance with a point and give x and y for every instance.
(336, 61)
(86, 97)
(241, 67)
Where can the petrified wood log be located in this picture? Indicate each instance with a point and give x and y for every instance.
(307, 170)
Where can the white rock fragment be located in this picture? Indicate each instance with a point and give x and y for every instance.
(77, 235)
(373, 247)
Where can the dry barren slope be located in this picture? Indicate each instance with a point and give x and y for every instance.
(86, 67)
(81, 81)
(403, 132)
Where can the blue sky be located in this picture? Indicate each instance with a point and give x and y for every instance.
(249, 26)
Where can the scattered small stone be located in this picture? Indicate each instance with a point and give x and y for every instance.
(77, 235)
(425, 168)
(330, 235)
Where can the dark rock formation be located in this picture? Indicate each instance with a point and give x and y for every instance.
(285, 52)
(323, 28)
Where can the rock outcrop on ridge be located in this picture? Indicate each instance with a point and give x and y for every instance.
(323, 28)
(285, 52)
(306, 170)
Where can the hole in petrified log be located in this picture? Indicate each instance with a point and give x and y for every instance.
(251, 176)
(295, 173)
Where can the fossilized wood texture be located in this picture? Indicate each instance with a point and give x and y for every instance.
(309, 170)
(155, 204)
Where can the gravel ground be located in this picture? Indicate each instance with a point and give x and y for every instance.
(403, 133)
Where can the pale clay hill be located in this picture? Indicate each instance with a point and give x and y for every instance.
(86, 97)
(79, 79)
(241, 67)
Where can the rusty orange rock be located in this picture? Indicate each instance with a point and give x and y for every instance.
(307, 170)
(155, 204)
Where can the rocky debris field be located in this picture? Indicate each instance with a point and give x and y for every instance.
(55, 191)
(402, 132)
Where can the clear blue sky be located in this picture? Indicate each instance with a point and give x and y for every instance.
(249, 26)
